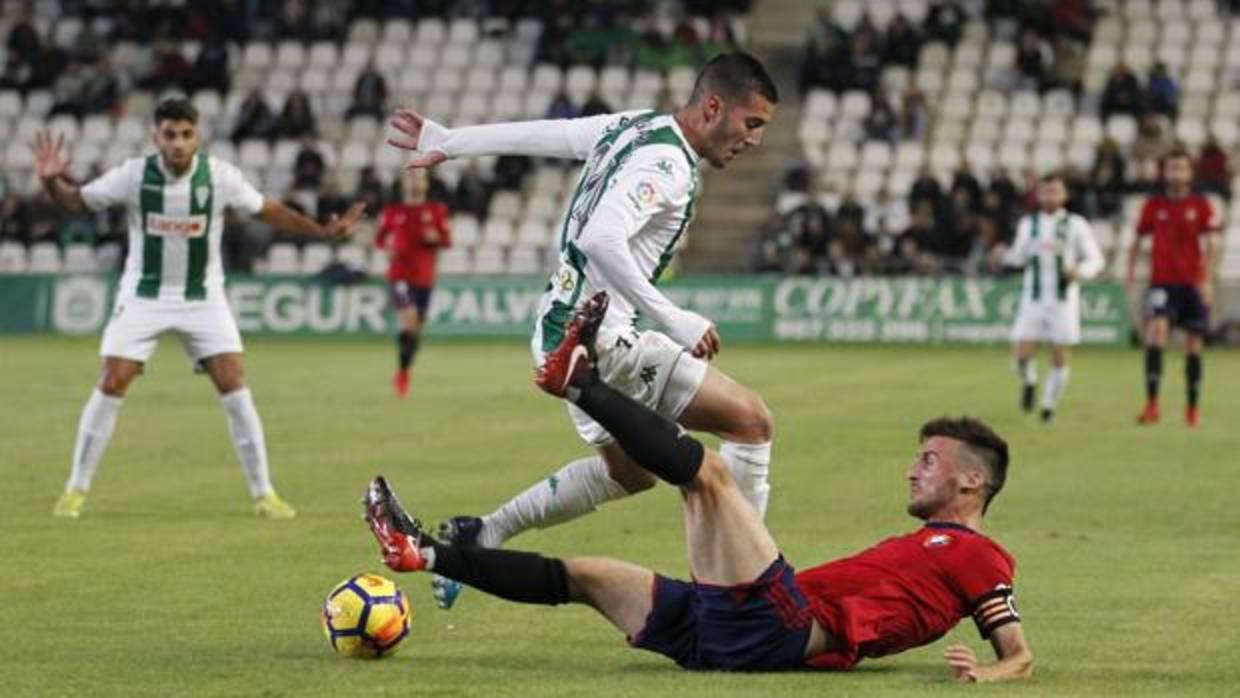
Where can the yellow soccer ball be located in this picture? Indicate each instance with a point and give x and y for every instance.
(366, 616)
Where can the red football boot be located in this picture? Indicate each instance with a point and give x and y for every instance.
(400, 383)
(573, 358)
(1149, 415)
(399, 535)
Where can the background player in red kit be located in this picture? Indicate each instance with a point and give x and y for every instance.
(412, 231)
(1183, 226)
(746, 609)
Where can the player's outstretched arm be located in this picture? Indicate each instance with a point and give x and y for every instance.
(431, 143)
(51, 162)
(1014, 659)
(338, 227)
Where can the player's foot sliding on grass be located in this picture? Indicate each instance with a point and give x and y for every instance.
(746, 608)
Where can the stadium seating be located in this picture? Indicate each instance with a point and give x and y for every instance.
(977, 118)
(458, 70)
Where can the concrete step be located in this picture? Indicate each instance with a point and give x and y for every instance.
(736, 201)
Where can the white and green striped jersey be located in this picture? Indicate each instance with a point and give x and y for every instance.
(175, 223)
(1047, 244)
(629, 210)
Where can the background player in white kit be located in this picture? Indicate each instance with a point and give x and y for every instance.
(173, 282)
(1057, 250)
(633, 201)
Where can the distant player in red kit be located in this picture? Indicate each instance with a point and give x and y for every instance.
(746, 608)
(412, 231)
(1184, 227)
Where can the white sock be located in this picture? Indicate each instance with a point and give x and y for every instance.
(1027, 370)
(247, 437)
(94, 432)
(576, 489)
(750, 466)
(1056, 383)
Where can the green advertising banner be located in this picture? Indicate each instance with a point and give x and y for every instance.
(920, 309)
(898, 309)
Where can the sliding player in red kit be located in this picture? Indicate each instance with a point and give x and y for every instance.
(1184, 229)
(412, 231)
(746, 608)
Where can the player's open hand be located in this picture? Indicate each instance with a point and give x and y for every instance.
(50, 158)
(411, 123)
(708, 345)
(339, 227)
(963, 662)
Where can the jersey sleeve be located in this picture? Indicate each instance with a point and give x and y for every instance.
(1209, 214)
(237, 191)
(556, 138)
(114, 187)
(445, 227)
(1089, 255)
(384, 229)
(985, 580)
(1145, 223)
(645, 186)
(1017, 255)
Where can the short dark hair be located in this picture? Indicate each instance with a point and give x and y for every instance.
(1055, 176)
(981, 441)
(176, 109)
(734, 76)
(1178, 150)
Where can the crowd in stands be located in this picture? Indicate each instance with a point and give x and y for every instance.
(78, 70)
(963, 223)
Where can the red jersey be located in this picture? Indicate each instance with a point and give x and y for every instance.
(908, 591)
(417, 232)
(1178, 224)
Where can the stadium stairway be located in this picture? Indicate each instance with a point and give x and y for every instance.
(736, 201)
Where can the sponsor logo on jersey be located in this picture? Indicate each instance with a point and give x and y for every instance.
(164, 225)
(642, 195)
(938, 540)
(664, 166)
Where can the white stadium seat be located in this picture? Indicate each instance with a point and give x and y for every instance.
(315, 256)
(454, 261)
(488, 260)
(44, 258)
(12, 257)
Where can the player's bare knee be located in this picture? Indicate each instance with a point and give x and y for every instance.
(633, 480)
(115, 382)
(713, 476)
(759, 423)
(584, 576)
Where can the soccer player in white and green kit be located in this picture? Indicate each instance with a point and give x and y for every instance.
(634, 198)
(1057, 250)
(173, 282)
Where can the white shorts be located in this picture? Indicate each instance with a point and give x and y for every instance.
(646, 366)
(1058, 323)
(206, 327)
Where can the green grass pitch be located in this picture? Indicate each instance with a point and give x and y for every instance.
(1127, 574)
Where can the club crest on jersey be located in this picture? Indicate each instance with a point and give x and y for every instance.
(201, 194)
(161, 225)
(564, 279)
(1191, 215)
(938, 540)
